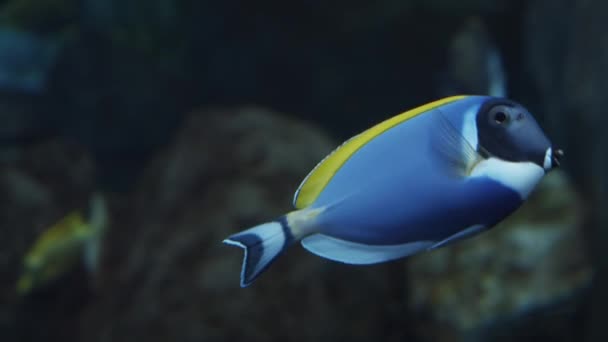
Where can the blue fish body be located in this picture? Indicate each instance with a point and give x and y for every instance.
(418, 181)
(436, 211)
(395, 189)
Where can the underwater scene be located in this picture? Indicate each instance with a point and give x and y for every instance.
(394, 170)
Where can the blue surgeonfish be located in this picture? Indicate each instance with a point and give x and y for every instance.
(423, 179)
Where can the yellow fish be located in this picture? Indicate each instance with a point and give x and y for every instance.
(63, 245)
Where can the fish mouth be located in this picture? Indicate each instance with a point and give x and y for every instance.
(552, 158)
(558, 154)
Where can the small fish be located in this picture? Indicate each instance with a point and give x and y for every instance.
(424, 179)
(59, 248)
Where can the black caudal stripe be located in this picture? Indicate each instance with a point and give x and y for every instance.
(289, 238)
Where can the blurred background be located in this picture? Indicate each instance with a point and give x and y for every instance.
(136, 135)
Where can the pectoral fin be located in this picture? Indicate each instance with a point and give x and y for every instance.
(457, 153)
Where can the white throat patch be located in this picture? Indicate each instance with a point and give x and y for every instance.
(522, 177)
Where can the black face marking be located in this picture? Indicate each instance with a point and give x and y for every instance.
(506, 130)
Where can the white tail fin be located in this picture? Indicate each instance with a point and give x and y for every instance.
(262, 245)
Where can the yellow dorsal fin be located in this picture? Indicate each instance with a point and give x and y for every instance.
(320, 176)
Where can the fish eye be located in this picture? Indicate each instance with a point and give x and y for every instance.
(500, 117)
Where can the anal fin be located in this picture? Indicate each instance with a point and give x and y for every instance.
(357, 253)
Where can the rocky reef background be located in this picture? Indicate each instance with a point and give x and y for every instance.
(200, 118)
